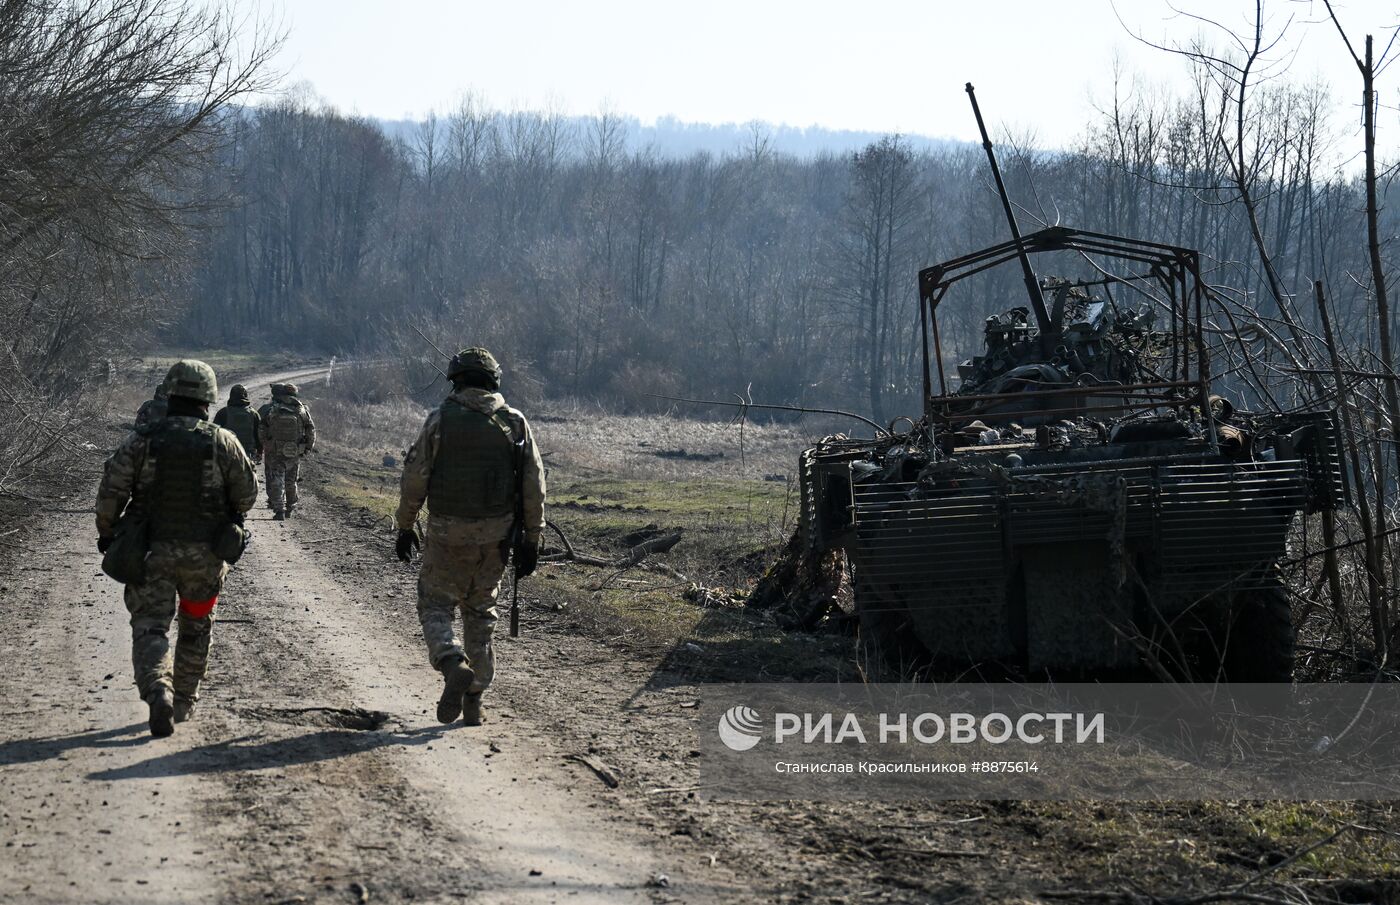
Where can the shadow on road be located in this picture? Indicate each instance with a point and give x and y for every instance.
(256, 752)
(32, 750)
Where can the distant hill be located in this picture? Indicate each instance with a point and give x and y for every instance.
(672, 137)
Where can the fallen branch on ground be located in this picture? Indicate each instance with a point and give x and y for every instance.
(606, 773)
(659, 544)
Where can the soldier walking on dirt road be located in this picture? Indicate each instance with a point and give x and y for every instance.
(473, 462)
(290, 434)
(240, 420)
(187, 483)
(153, 409)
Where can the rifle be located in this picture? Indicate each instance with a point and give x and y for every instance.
(517, 530)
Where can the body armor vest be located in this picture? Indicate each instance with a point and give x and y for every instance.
(284, 423)
(474, 472)
(151, 411)
(242, 421)
(186, 497)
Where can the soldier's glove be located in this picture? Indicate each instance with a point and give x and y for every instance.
(527, 556)
(406, 544)
(103, 543)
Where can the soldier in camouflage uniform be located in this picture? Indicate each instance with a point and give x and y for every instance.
(190, 479)
(153, 409)
(240, 420)
(473, 461)
(289, 434)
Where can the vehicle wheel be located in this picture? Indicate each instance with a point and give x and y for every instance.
(887, 649)
(1260, 646)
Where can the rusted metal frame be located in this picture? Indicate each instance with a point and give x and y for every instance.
(1187, 333)
(936, 273)
(936, 277)
(923, 332)
(1085, 390)
(1063, 239)
(1169, 278)
(1181, 295)
(1190, 262)
(972, 256)
(1175, 330)
(937, 350)
(1127, 253)
(1128, 240)
(1114, 246)
(1126, 407)
(941, 286)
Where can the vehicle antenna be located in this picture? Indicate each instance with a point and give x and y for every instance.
(435, 349)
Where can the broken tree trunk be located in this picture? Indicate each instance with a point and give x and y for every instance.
(662, 543)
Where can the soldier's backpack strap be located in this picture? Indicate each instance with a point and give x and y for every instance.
(514, 420)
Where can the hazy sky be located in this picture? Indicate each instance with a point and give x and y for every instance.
(881, 65)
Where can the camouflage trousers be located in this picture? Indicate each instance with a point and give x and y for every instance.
(281, 475)
(461, 570)
(182, 577)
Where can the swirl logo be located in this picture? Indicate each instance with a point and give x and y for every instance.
(740, 728)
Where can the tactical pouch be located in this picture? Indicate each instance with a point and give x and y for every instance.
(125, 559)
(230, 542)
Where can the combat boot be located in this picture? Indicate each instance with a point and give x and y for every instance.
(279, 516)
(184, 709)
(471, 709)
(162, 704)
(288, 513)
(457, 677)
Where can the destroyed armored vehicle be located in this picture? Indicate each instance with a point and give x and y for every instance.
(1083, 502)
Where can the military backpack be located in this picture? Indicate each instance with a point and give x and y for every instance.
(243, 423)
(284, 429)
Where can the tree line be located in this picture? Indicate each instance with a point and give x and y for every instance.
(604, 272)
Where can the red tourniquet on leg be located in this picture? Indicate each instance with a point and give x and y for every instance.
(198, 609)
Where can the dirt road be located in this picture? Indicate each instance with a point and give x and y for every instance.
(314, 770)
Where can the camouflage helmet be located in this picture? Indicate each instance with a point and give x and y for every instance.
(238, 393)
(192, 379)
(475, 360)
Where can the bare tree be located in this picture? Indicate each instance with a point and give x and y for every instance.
(881, 209)
(108, 109)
